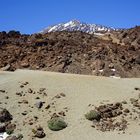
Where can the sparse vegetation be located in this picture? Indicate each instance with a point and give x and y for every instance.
(93, 115)
(56, 124)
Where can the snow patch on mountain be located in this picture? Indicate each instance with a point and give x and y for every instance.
(75, 25)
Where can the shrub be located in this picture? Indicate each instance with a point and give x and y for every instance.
(56, 124)
(93, 115)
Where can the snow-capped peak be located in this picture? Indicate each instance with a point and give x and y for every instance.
(75, 25)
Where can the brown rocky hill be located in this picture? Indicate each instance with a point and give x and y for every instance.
(129, 36)
(72, 52)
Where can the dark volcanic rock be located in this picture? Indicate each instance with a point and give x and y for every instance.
(39, 132)
(39, 104)
(5, 115)
(72, 52)
(2, 127)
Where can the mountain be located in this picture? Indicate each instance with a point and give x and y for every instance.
(75, 25)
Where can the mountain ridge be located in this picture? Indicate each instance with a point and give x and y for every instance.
(76, 25)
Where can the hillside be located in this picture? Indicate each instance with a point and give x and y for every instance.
(72, 52)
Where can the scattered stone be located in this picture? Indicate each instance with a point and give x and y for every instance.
(11, 138)
(110, 110)
(19, 93)
(30, 90)
(7, 97)
(108, 117)
(42, 89)
(137, 88)
(3, 91)
(136, 104)
(132, 100)
(124, 102)
(57, 96)
(37, 98)
(39, 104)
(6, 68)
(5, 116)
(126, 110)
(10, 128)
(24, 113)
(20, 136)
(47, 107)
(26, 83)
(21, 86)
(31, 123)
(23, 101)
(62, 94)
(62, 113)
(39, 132)
(2, 127)
(36, 118)
(44, 94)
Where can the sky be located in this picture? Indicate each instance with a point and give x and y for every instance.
(31, 16)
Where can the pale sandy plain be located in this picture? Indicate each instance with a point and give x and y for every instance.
(80, 91)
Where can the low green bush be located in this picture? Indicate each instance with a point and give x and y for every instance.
(93, 115)
(56, 124)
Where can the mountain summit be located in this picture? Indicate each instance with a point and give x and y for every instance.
(75, 25)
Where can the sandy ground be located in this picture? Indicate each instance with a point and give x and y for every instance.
(80, 91)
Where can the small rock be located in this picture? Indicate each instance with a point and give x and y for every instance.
(124, 102)
(62, 113)
(57, 96)
(37, 98)
(30, 90)
(11, 138)
(62, 94)
(3, 91)
(25, 65)
(19, 93)
(126, 110)
(136, 88)
(2, 127)
(35, 117)
(39, 104)
(24, 113)
(42, 89)
(136, 104)
(10, 128)
(39, 132)
(31, 123)
(26, 83)
(25, 101)
(5, 116)
(118, 104)
(7, 97)
(20, 136)
(132, 100)
(47, 107)
(54, 115)
(21, 86)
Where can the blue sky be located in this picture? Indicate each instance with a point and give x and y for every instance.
(30, 16)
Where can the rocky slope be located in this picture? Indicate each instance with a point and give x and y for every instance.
(129, 36)
(72, 52)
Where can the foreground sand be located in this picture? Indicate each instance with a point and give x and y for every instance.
(80, 91)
